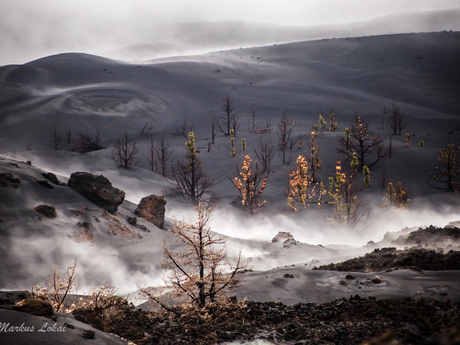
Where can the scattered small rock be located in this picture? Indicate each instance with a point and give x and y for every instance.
(89, 334)
(132, 220)
(350, 277)
(288, 275)
(84, 225)
(69, 325)
(76, 212)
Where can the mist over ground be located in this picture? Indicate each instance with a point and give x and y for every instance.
(157, 84)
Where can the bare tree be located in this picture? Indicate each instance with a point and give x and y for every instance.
(366, 145)
(264, 128)
(264, 154)
(125, 151)
(182, 129)
(314, 160)
(87, 143)
(284, 138)
(397, 122)
(69, 136)
(152, 156)
(55, 139)
(190, 179)
(200, 271)
(383, 179)
(229, 116)
(213, 129)
(448, 175)
(163, 154)
(159, 155)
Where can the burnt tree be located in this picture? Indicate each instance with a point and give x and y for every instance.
(191, 181)
(367, 146)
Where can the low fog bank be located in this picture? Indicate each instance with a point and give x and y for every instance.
(316, 225)
(157, 38)
(199, 38)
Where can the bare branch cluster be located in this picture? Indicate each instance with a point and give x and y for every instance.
(125, 151)
(55, 139)
(182, 129)
(159, 155)
(448, 174)
(285, 141)
(367, 146)
(87, 143)
(229, 119)
(265, 153)
(397, 122)
(57, 289)
(146, 129)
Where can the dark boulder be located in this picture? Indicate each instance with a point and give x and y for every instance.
(52, 178)
(47, 211)
(89, 334)
(97, 189)
(152, 209)
(132, 220)
(282, 236)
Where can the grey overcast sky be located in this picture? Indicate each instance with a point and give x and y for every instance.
(30, 29)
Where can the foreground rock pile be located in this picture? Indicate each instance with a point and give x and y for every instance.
(391, 258)
(346, 321)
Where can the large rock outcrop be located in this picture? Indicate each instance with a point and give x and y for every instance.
(152, 209)
(97, 189)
